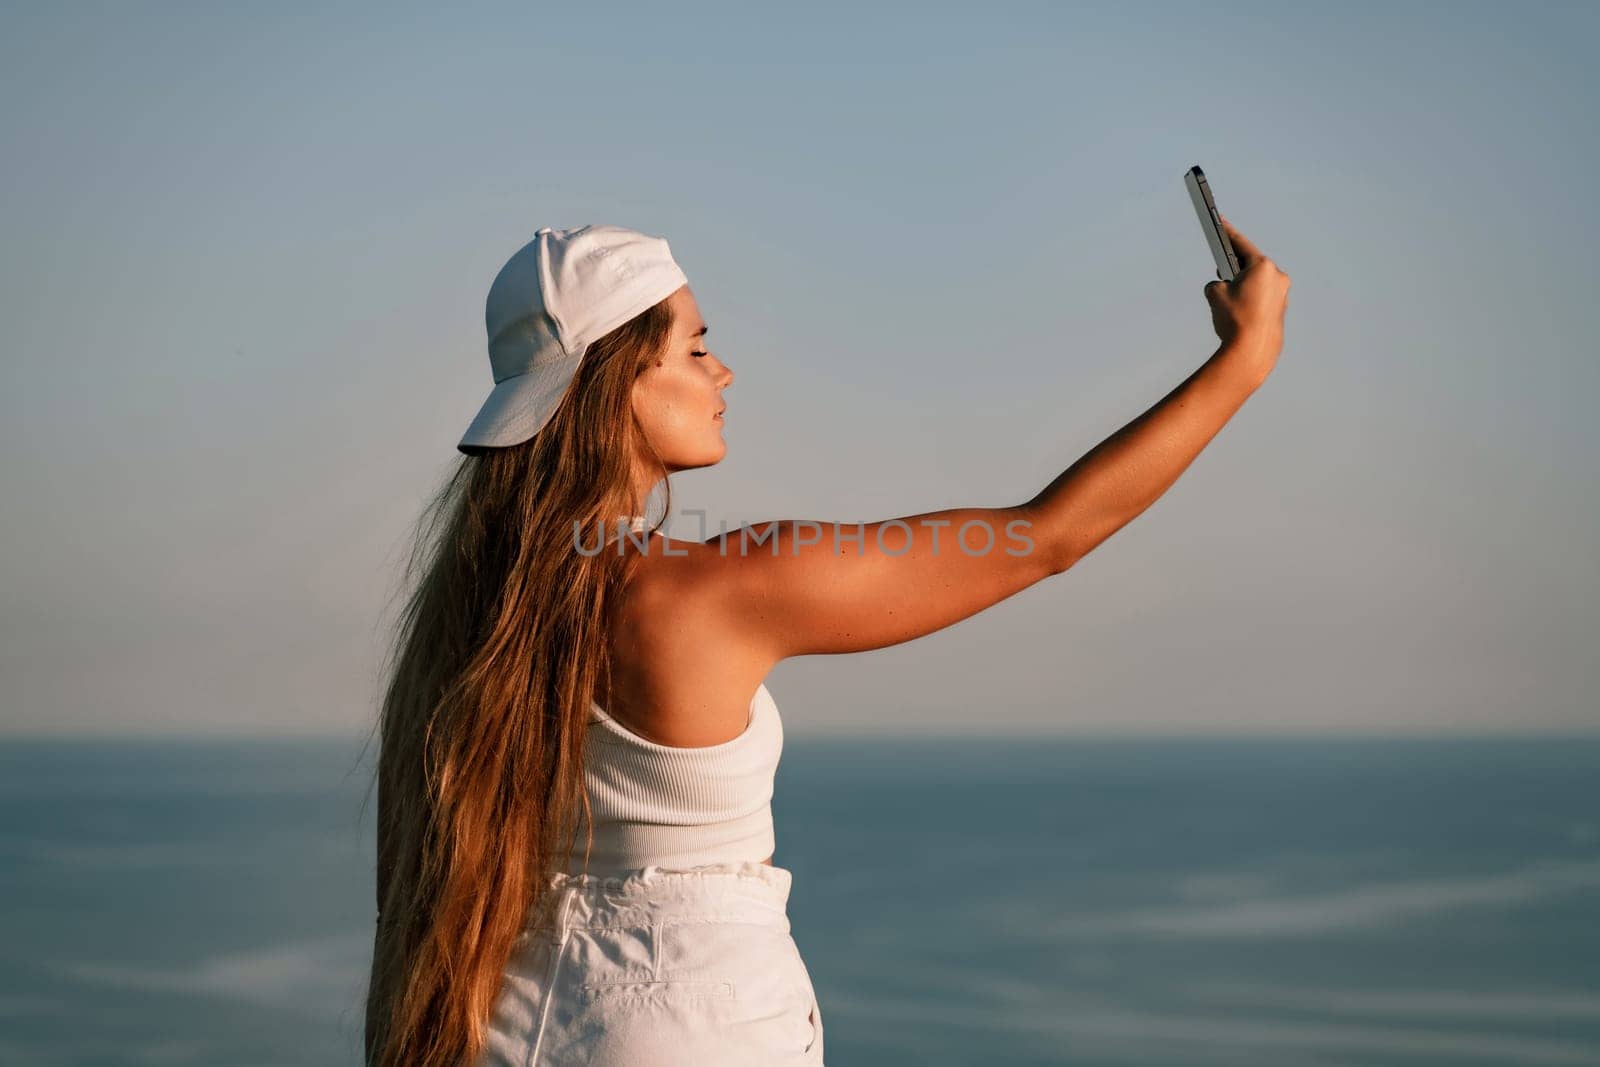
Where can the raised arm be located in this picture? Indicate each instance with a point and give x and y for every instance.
(1122, 476)
(797, 587)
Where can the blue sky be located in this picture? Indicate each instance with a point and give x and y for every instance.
(946, 250)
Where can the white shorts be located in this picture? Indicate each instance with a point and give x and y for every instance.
(660, 967)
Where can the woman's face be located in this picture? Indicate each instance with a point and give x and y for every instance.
(678, 399)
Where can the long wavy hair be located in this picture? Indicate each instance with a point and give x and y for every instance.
(499, 651)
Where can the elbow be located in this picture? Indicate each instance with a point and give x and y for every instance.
(1052, 548)
(1060, 557)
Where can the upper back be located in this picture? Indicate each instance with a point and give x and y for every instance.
(679, 677)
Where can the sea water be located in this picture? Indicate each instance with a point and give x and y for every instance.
(1311, 902)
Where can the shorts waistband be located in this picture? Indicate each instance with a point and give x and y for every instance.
(743, 891)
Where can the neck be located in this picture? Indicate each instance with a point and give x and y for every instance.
(645, 481)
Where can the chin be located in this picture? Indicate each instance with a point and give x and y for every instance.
(708, 457)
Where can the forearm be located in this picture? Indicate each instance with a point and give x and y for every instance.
(1128, 471)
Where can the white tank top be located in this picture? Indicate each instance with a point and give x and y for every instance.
(679, 807)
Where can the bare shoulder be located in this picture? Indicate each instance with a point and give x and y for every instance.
(706, 621)
(685, 677)
(796, 587)
(678, 595)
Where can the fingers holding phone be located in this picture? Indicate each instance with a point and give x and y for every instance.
(1251, 307)
(1249, 298)
(1243, 247)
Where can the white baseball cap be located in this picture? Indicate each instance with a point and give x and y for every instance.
(561, 292)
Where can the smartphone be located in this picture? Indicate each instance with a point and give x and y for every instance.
(1216, 236)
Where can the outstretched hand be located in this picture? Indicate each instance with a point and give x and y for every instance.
(1251, 307)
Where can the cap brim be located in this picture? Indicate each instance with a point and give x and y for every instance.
(518, 408)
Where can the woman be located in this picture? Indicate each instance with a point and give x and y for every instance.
(563, 670)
